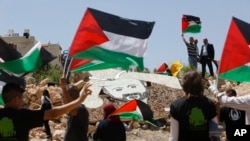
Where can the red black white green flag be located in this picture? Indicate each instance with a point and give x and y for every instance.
(137, 109)
(8, 52)
(35, 58)
(235, 59)
(76, 63)
(191, 24)
(162, 68)
(111, 39)
(134, 109)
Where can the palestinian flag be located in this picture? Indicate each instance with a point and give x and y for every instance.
(162, 68)
(94, 65)
(83, 65)
(235, 59)
(8, 78)
(137, 109)
(36, 57)
(8, 52)
(77, 63)
(111, 39)
(191, 24)
(134, 109)
(1, 87)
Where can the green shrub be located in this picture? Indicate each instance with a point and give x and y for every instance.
(53, 73)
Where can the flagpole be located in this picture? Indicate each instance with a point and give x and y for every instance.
(64, 66)
(217, 72)
(68, 68)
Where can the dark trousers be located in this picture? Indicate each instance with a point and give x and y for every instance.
(47, 128)
(206, 61)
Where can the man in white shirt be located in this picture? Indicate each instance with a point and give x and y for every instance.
(239, 102)
(206, 57)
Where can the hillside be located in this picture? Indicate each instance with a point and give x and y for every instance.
(160, 97)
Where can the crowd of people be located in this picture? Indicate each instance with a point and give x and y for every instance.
(17, 121)
(196, 117)
(190, 115)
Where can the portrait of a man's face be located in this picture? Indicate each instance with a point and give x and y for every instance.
(125, 89)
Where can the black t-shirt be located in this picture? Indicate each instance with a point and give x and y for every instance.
(16, 124)
(77, 126)
(232, 118)
(46, 104)
(193, 115)
(109, 131)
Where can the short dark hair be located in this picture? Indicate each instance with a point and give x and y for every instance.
(232, 92)
(46, 93)
(11, 90)
(51, 84)
(73, 91)
(192, 83)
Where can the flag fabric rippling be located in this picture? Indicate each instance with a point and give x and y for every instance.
(111, 39)
(235, 60)
(191, 24)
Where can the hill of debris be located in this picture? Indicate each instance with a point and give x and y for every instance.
(159, 99)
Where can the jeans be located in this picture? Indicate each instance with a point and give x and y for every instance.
(192, 62)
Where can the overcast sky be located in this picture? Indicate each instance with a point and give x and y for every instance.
(57, 21)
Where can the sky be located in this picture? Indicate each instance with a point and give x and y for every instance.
(56, 21)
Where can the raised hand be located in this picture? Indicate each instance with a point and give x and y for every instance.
(85, 90)
(63, 82)
(213, 87)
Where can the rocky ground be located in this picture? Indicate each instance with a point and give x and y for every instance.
(159, 98)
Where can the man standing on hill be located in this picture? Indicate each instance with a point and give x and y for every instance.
(192, 52)
(206, 57)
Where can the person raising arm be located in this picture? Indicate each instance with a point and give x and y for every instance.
(78, 118)
(16, 121)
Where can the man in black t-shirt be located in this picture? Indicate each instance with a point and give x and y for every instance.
(233, 118)
(78, 118)
(16, 122)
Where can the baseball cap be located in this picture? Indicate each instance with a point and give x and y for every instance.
(12, 86)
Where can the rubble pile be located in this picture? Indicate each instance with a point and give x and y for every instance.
(159, 99)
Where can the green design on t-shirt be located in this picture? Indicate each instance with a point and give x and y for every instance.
(7, 127)
(197, 118)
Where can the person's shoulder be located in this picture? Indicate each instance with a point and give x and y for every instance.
(209, 100)
(224, 108)
(82, 111)
(179, 101)
(4, 110)
(183, 98)
(103, 123)
(82, 108)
